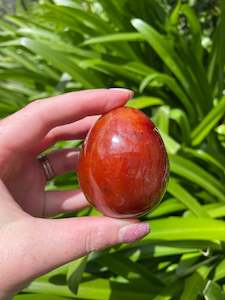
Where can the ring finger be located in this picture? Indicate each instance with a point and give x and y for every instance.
(61, 162)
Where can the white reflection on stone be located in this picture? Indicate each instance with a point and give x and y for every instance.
(115, 139)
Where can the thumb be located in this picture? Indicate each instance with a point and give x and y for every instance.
(60, 241)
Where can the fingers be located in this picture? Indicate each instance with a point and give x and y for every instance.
(64, 160)
(34, 121)
(64, 201)
(68, 239)
(73, 131)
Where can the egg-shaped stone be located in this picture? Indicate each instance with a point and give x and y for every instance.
(123, 167)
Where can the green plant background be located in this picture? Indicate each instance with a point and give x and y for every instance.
(172, 54)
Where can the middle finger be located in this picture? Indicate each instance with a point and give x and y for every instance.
(73, 131)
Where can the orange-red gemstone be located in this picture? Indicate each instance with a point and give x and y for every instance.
(123, 167)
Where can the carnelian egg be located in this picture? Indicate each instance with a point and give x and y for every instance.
(123, 167)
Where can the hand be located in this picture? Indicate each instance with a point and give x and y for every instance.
(26, 238)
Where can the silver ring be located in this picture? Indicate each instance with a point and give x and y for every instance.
(47, 168)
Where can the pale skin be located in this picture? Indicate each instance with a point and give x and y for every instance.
(27, 236)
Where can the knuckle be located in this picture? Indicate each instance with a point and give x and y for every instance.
(36, 108)
(7, 144)
(30, 106)
(34, 103)
(94, 240)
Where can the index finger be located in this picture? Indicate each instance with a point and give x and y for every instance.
(34, 121)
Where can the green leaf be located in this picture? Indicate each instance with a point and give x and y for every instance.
(144, 101)
(100, 289)
(62, 270)
(114, 14)
(162, 119)
(75, 272)
(159, 248)
(131, 270)
(181, 119)
(159, 297)
(205, 157)
(6, 26)
(110, 69)
(213, 291)
(87, 18)
(164, 48)
(195, 266)
(45, 287)
(192, 172)
(116, 37)
(39, 296)
(173, 18)
(217, 57)
(59, 44)
(215, 210)
(62, 62)
(195, 284)
(177, 228)
(90, 24)
(208, 123)
(184, 197)
(26, 60)
(219, 271)
(195, 28)
(168, 206)
(172, 84)
(172, 146)
(187, 260)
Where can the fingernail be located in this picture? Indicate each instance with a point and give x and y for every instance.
(133, 232)
(130, 92)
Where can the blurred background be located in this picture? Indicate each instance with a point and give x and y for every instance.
(172, 54)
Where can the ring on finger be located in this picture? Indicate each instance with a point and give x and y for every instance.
(46, 166)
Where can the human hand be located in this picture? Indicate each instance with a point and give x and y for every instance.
(26, 238)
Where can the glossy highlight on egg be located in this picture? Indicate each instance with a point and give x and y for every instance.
(123, 168)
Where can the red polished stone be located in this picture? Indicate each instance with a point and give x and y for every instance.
(123, 168)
